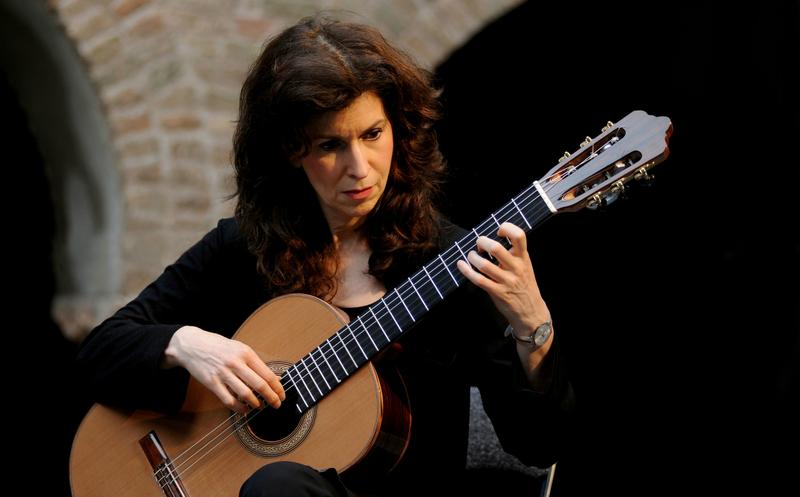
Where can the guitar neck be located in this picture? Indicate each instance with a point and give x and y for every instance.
(320, 371)
(594, 175)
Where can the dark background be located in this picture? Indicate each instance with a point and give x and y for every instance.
(677, 308)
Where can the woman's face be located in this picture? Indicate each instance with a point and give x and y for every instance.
(349, 160)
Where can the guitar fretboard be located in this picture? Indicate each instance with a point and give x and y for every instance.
(333, 361)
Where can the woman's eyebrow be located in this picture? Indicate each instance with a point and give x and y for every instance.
(327, 136)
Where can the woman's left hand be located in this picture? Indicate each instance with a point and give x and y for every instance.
(511, 282)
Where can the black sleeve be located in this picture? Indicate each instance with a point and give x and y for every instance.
(120, 359)
(531, 425)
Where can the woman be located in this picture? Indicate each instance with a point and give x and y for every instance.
(336, 165)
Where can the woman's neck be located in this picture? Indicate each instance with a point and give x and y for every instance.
(355, 287)
(348, 239)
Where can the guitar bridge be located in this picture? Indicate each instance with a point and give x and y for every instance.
(163, 471)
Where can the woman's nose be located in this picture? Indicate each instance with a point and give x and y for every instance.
(357, 164)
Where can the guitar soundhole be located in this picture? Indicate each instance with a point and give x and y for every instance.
(272, 432)
(273, 425)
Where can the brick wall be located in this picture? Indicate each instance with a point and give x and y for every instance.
(168, 74)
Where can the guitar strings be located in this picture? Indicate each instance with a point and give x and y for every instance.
(523, 200)
(392, 299)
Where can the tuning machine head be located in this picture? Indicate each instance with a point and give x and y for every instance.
(597, 173)
(642, 174)
(602, 199)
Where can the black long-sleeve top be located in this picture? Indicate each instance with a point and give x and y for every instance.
(215, 286)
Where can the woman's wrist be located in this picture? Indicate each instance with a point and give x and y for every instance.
(533, 353)
(171, 357)
(534, 339)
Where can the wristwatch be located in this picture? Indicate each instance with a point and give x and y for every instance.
(538, 338)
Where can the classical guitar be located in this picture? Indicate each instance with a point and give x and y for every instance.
(339, 412)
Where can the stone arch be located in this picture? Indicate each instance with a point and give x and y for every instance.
(441, 27)
(66, 118)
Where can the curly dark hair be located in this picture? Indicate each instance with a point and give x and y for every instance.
(321, 65)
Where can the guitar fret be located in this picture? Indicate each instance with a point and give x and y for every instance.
(448, 270)
(369, 335)
(404, 305)
(320, 371)
(325, 358)
(432, 282)
(463, 255)
(392, 315)
(344, 369)
(294, 384)
(498, 225)
(311, 395)
(344, 346)
(311, 375)
(356, 340)
(379, 324)
(418, 295)
(521, 214)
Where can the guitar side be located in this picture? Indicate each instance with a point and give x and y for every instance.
(107, 459)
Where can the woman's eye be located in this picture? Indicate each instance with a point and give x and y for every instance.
(373, 134)
(329, 146)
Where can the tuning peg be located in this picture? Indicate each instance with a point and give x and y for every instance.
(586, 141)
(594, 202)
(616, 191)
(565, 156)
(643, 175)
(602, 199)
(608, 126)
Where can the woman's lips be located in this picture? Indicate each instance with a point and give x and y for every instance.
(359, 194)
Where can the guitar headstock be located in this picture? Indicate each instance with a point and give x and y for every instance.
(596, 173)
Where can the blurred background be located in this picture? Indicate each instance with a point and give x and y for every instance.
(678, 308)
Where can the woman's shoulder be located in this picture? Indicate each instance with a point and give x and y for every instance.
(228, 230)
(224, 238)
(226, 233)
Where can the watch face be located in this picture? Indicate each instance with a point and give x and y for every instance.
(542, 334)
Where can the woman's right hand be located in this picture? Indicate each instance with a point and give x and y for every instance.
(229, 368)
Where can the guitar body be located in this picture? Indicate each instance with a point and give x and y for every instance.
(345, 427)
